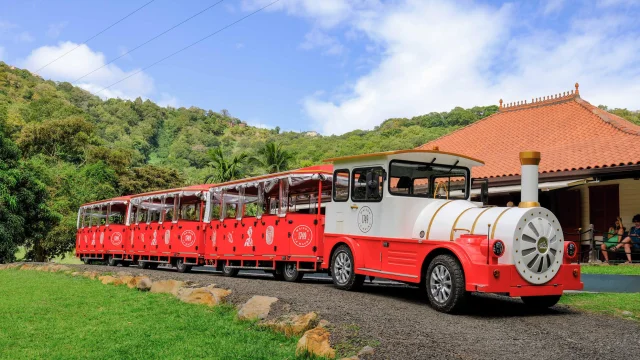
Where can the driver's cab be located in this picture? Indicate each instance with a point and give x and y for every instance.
(382, 194)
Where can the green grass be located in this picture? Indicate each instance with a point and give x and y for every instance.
(611, 269)
(53, 316)
(609, 303)
(69, 258)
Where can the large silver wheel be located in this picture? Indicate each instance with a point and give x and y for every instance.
(445, 284)
(343, 271)
(440, 284)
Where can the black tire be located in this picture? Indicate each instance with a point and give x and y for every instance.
(343, 271)
(541, 302)
(229, 272)
(112, 262)
(445, 284)
(143, 264)
(278, 275)
(290, 272)
(153, 266)
(182, 268)
(125, 263)
(86, 261)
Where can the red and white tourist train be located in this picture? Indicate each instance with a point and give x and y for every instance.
(401, 215)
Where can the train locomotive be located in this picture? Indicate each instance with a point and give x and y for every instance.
(403, 215)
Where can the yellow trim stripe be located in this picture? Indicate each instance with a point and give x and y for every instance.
(434, 217)
(493, 231)
(473, 228)
(453, 228)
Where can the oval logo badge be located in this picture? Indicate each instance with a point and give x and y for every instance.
(116, 239)
(365, 219)
(269, 234)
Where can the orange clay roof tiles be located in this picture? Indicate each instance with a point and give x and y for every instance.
(570, 133)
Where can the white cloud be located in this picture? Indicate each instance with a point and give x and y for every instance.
(318, 39)
(23, 37)
(259, 124)
(82, 61)
(55, 29)
(435, 55)
(168, 100)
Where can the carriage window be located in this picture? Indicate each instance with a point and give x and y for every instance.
(169, 209)
(190, 211)
(367, 184)
(341, 185)
(216, 209)
(427, 180)
(141, 215)
(117, 214)
(86, 215)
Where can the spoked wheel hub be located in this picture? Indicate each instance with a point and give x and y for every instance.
(342, 268)
(440, 284)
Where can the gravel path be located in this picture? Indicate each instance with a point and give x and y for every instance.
(405, 327)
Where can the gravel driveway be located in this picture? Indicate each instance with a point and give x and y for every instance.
(397, 318)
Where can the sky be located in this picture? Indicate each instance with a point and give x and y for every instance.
(331, 65)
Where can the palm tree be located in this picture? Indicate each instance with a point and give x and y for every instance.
(273, 158)
(223, 169)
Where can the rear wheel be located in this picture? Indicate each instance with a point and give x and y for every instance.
(182, 268)
(541, 302)
(143, 264)
(125, 263)
(153, 266)
(343, 271)
(290, 272)
(86, 261)
(229, 272)
(445, 284)
(112, 261)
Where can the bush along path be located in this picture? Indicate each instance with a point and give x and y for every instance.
(313, 333)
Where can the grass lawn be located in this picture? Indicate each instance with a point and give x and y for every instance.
(611, 269)
(52, 316)
(610, 304)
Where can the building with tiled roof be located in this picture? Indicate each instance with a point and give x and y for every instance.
(590, 158)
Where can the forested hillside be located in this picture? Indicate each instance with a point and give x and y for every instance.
(61, 146)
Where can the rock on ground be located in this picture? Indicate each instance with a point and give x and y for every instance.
(292, 324)
(204, 296)
(167, 286)
(144, 284)
(109, 280)
(366, 351)
(257, 307)
(316, 342)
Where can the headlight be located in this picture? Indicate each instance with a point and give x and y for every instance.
(498, 248)
(571, 249)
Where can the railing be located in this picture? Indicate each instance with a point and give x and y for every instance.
(592, 251)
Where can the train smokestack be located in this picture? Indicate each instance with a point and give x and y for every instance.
(529, 180)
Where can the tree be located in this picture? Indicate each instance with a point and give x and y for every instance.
(24, 215)
(273, 158)
(65, 139)
(223, 169)
(149, 178)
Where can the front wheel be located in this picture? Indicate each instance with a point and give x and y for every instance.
(445, 285)
(125, 264)
(143, 264)
(541, 302)
(182, 267)
(290, 272)
(229, 272)
(343, 271)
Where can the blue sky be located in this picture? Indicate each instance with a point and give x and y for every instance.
(335, 65)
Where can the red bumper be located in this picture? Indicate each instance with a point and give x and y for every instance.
(506, 280)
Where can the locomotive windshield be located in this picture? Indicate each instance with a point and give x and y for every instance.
(418, 179)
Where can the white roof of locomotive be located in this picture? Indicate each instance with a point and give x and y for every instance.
(435, 156)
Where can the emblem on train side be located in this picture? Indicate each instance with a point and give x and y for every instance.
(116, 239)
(188, 238)
(167, 237)
(93, 239)
(86, 240)
(302, 236)
(249, 241)
(132, 233)
(101, 238)
(154, 241)
(365, 219)
(230, 237)
(213, 238)
(269, 234)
